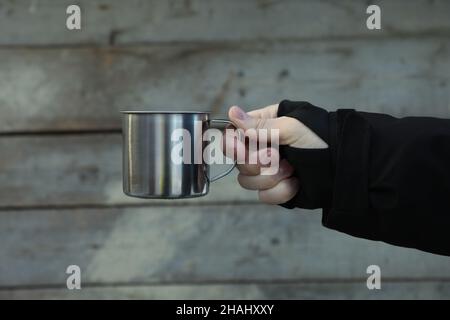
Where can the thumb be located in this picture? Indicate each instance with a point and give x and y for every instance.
(291, 131)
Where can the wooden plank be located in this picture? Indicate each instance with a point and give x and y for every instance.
(43, 22)
(259, 291)
(74, 170)
(84, 89)
(192, 245)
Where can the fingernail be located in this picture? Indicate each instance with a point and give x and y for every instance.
(239, 113)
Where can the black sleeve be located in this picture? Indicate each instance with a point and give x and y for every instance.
(382, 178)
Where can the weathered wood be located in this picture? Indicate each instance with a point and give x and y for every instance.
(84, 89)
(133, 21)
(321, 290)
(67, 170)
(191, 245)
(202, 55)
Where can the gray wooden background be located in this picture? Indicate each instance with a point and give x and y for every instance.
(60, 166)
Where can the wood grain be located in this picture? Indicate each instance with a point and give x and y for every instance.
(192, 245)
(119, 22)
(259, 291)
(84, 89)
(61, 91)
(81, 170)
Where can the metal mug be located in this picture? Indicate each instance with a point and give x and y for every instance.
(148, 170)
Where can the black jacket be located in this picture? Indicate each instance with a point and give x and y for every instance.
(382, 178)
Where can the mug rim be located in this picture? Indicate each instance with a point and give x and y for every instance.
(162, 112)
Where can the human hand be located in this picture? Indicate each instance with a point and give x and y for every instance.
(282, 186)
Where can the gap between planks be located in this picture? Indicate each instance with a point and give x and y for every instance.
(155, 204)
(432, 34)
(243, 282)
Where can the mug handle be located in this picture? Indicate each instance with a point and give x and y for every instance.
(225, 173)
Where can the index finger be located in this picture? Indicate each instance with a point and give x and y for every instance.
(268, 112)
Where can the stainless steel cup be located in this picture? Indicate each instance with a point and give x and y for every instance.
(148, 170)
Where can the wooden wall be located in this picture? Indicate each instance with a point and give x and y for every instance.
(60, 165)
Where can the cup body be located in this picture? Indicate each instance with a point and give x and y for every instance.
(148, 169)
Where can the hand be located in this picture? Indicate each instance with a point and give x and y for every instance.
(282, 186)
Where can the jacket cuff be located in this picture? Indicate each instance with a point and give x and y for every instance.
(313, 167)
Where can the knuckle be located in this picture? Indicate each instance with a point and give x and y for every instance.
(289, 189)
(261, 124)
(241, 180)
(281, 193)
(267, 197)
(263, 197)
(245, 182)
(292, 122)
(273, 179)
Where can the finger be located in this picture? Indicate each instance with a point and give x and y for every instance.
(284, 191)
(248, 157)
(266, 112)
(247, 163)
(249, 169)
(235, 149)
(264, 162)
(289, 129)
(264, 182)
